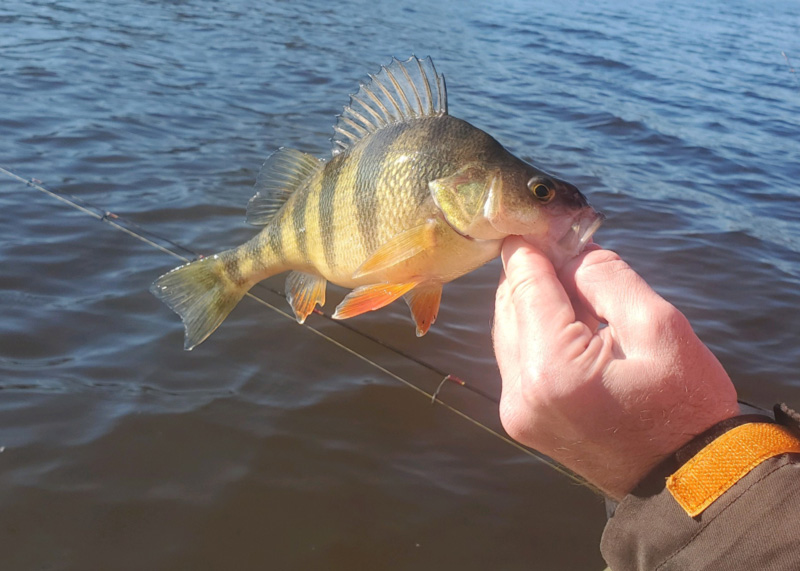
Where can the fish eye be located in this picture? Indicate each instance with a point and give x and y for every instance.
(541, 191)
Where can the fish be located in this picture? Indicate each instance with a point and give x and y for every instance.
(410, 199)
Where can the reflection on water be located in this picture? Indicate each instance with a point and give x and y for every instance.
(268, 446)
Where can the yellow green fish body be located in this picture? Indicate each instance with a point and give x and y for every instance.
(412, 198)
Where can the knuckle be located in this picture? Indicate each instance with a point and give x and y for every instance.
(514, 419)
(669, 321)
(508, 418)
(526, 288)
(520, 407)
(602, 257)
(600, 265)
(664, 326)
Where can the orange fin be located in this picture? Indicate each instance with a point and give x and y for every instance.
(369, 298)
(424, 305)
(399, 248)
(304, 292)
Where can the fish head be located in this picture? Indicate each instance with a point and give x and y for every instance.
(548, 212)
(493, 202)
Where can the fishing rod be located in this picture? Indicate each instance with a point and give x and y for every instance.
(158, 242)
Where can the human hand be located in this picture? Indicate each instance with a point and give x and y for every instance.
(610, 402)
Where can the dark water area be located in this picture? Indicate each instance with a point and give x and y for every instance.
(269, 446)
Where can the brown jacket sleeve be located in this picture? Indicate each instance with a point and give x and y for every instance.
(753, 525)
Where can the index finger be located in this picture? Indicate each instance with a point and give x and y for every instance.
(548, 330)
(539, 299)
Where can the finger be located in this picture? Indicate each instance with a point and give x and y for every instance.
(515, 416)
(505, 337)
(615, 294)
(540, 301)
(567, 277)
(548, 333)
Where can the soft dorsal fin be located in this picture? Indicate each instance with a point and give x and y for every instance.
(283, 173)
(400, 91)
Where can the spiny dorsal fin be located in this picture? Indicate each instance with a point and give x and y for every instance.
(400, 91)
(283, 173)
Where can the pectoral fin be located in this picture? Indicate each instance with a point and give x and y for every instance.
(304, 292)
(370, 298)
(399, 248)
(423, 301)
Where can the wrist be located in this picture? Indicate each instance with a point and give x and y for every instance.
(746, 473)
(654, 480)
(666, 446)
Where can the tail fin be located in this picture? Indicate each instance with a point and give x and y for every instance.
(202, 294)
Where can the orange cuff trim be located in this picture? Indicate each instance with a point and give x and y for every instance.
(725, 461)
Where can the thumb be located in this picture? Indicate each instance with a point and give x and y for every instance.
(618, 296)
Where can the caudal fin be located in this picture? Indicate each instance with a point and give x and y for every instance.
(202, 294)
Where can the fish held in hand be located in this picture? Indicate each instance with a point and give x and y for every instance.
(411, 199)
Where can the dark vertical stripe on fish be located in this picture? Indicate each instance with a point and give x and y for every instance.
(365, 195)
(275, 241)
(299, 223)
(230, 262)
(327, 200)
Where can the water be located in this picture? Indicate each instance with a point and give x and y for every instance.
(269, 447)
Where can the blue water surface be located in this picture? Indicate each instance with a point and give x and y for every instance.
(269, 446)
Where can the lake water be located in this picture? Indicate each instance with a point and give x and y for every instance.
(270, 446)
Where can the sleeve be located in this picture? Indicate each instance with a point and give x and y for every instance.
(730, 500)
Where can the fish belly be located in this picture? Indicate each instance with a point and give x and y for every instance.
(450, 257)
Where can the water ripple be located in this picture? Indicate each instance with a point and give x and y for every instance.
(267, 444)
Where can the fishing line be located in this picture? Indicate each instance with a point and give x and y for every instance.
(152, 239)
(791, 68)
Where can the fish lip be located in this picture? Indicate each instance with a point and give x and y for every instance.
(581, 231)
(586, 235)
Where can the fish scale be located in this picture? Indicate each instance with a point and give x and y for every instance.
(411, 199)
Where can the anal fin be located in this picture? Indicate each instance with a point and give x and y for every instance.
(370, 297)
(423, 301)
(304, 292)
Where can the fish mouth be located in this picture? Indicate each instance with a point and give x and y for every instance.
(581, 231)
